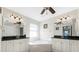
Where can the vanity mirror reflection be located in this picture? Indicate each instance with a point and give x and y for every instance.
(13, 27)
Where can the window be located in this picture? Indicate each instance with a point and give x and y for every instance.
(33, 30)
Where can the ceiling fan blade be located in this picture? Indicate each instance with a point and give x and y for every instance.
(43, 11)
(51, 10)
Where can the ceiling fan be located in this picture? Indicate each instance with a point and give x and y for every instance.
(48, 8)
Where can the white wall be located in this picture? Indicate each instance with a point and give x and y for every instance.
(77, 24)
(45, 34)
(58, 32)
(0, 29)
(0, 26)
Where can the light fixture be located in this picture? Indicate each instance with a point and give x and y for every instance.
(16, 19)
(63, 20)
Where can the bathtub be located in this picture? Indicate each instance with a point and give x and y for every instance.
(40, 45)
(40, 41)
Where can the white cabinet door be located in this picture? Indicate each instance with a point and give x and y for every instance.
(74, 45)
(53, 45)
(56, 46)
(27, 45)
(4, 46)
(10, 46)
(0, 29)
(0, 19)
(0, 46)
(65, 45)
(21, 45)
(16, 46)
(60, 45)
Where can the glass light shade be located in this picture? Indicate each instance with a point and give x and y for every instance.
(58, 20)
(69, 20)
(17, 19)
(21, 20)
(11, 17)
(68, 17)
(64, 20)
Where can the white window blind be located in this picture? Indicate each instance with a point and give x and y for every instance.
(33, 30)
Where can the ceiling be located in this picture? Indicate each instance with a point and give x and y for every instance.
(34, 12)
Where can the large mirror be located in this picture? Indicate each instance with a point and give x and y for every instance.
(12, 28)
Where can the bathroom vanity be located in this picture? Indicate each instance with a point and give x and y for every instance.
(65, 45)
(13, 36)
(17, 45)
